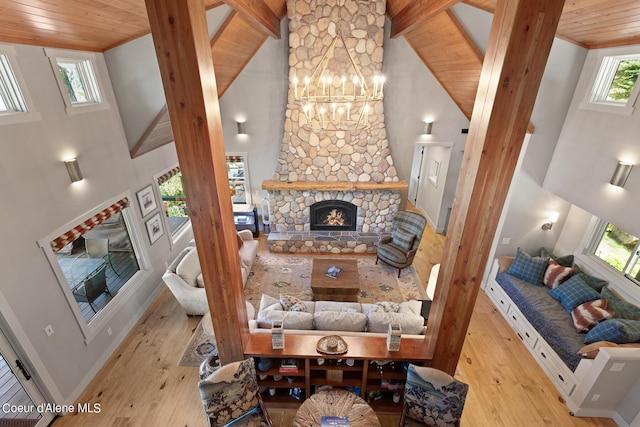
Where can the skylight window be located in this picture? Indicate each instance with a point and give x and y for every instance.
(614, 86)
(11, 99)
(78, 80)
(15, 103)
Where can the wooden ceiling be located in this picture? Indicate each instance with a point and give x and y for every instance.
(99, 25)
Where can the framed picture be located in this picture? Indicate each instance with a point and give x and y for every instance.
(434, 172)
(154, 228)
(146, 200)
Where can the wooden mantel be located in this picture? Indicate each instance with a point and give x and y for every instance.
(333, 185)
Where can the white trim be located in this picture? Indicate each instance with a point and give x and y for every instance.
(611, 107)
(78, 108)
(101, 319)
(179, 233)
(31, 115)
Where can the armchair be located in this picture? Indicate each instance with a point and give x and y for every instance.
(94, 286)
(406, 233)
(230, 395)
(432, 398)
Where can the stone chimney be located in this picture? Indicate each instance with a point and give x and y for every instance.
(316, 165)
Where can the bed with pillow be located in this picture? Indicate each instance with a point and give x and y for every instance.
(573, 323)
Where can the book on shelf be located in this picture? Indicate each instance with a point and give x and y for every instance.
(332, 421)
(333, 272)
(289, 366)
(386, 384)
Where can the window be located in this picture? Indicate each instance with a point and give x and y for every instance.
(238, 173)
(174, 201)
(11, 99)
(97, 258)
(77, 79)
(14, 100)
(614, 86)
(618, 249)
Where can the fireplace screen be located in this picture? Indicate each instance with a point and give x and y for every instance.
(335, 215)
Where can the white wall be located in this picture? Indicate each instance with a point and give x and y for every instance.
(529, 205)
(257, 96)
(41, 199)
(413, 96)
(589, 147)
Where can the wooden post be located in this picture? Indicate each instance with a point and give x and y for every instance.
(181, 39)
(519, 43)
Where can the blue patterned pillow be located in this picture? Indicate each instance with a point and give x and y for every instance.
(619, 331)
(573, 292)
(528, 268)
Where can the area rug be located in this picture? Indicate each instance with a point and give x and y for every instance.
(199, 348)
(275, 274)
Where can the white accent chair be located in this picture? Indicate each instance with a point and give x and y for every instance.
(184, 275)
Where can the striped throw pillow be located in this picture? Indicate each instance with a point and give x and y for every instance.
(556, 274)
(589, 314)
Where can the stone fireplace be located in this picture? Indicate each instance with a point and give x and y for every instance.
(320, 165)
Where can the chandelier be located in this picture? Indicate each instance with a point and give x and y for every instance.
(337, 99)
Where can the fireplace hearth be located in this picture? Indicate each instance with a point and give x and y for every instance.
(333, 215)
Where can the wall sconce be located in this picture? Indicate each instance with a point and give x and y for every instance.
(620, 174)
(74, 170)
(553, 218)
(428, 126)
(242, 130)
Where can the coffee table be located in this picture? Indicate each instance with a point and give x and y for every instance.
(335, 402)
(344, 288)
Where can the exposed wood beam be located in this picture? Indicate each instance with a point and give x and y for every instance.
(417, 12)
(259, 14)
(519, 44)
(180, 36)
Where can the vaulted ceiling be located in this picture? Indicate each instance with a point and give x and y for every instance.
(428, 26)
(99, 25)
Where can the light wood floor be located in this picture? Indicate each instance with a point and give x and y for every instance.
(141, 384)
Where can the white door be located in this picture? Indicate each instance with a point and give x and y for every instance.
(20, 398)
(416, 170)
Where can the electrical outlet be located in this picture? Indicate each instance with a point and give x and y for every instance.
(48, 330)
(506, 240)
(617, 367)
(109, 331)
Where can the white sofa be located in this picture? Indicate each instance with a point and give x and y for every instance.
(184, 275)
(338, 318)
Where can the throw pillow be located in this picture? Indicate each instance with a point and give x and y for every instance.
(384, 307)
(288, 301)
(590, 351)
(528, 268)
(189, 267)
(403, 238)
(300, 307)
(622, 309)
(556, 274)
(587, 315)
(596, 283)
(573, 292)
(565, 261)
(504, 262)
(619, 331)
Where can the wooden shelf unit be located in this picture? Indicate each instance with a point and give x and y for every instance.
(335, 371)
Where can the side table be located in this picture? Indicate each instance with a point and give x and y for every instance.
(245, 217)
(335, 402)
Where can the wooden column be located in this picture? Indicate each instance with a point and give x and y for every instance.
(181, 39)
(519, 43)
